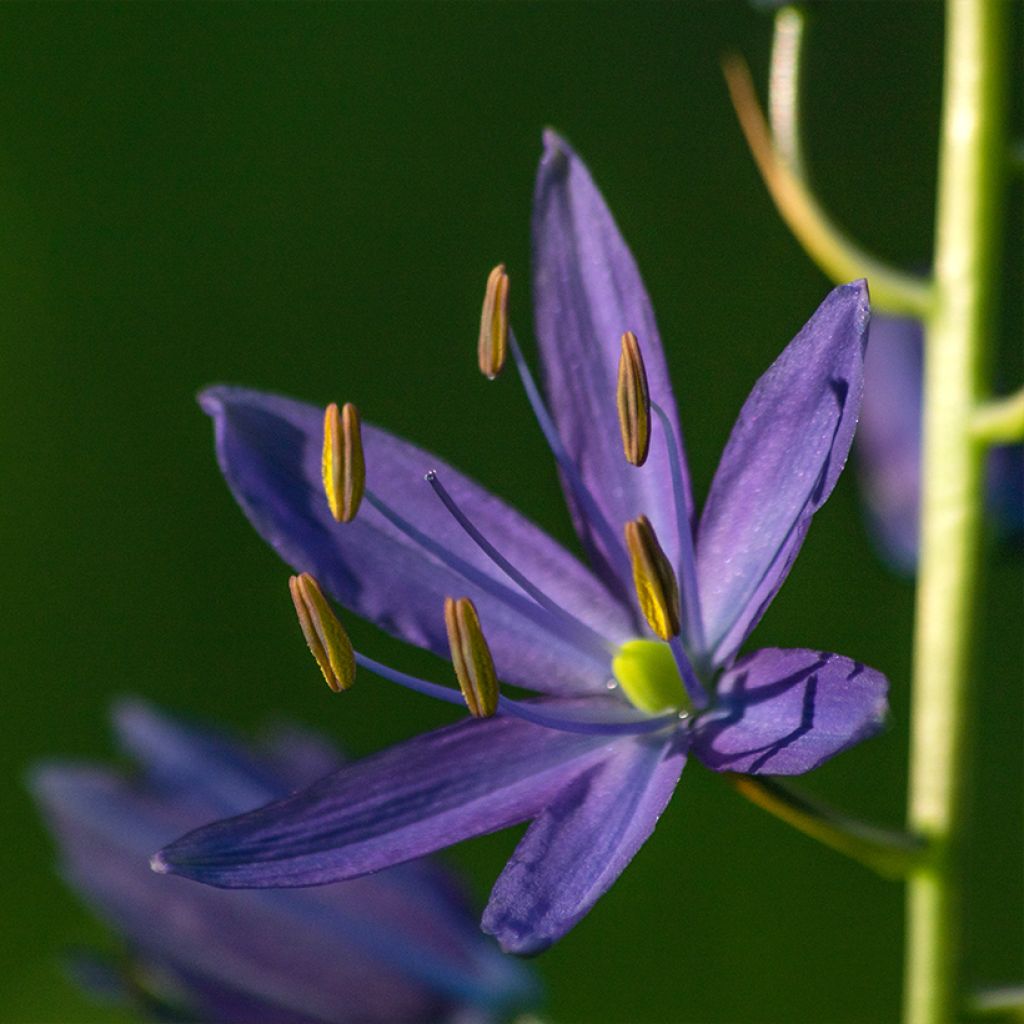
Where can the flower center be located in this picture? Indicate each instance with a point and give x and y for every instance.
(646, 670)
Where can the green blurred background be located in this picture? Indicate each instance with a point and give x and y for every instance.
(308, 198)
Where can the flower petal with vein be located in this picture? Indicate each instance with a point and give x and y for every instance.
(592, 761)
(402, 945)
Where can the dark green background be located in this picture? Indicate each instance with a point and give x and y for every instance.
(308, 198)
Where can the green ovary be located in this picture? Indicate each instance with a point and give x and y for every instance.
(647, 673)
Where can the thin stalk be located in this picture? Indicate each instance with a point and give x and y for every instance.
(1000, 420)
(971, 165)
(838, 256)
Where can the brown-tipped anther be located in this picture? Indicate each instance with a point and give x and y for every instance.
(493, 342)
(325, 635)
(471, 657)
(343, 466)
(633, 401)
(656, 587)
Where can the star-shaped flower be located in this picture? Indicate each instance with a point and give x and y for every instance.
(635, 658)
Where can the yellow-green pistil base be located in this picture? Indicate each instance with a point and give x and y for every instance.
(647, 673)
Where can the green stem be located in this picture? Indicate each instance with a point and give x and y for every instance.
(1000, 420)
(971, 162)
(784, 86)
(891, 854)
(780, 162)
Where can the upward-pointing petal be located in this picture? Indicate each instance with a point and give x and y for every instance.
(269, 448)
(587, 292)
(783, 458)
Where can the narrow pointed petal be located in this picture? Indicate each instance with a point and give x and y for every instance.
(580, 844)
(587, 292)
(439, 788)
(400, 945)
(200, 764)
(784, 712)
(269, 451)
(786, 452)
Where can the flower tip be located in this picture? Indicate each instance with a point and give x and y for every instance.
(211, 400)
(557, 152)
(159, 865)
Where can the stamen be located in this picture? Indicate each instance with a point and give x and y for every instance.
(494, 324)
(618, 562)
(325, 635)
(658, 594)
(491, 586)
(343, 466)
(471, 657)
(633, 401)
(567, 620)
(694, 689)
(656, 588)
(534, 712)
(694, 625)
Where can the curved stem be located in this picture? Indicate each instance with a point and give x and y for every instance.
(784, 86)
(971, 164)
(834, 252)
(890, 853)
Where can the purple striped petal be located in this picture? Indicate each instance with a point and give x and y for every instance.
(199, 764)
(784, 712)
(579, 844)
(269, 945)
(404, 942)
(439, 788)
(783, 458)
(269, 450)
(587, 292)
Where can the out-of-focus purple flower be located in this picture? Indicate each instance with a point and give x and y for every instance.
(889, 446)
(593, 761)
(400, 946)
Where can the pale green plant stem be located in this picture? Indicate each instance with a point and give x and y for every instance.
(1000, 420)
(959, 325)
(780, 162)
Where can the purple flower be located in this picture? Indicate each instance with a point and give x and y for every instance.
(402, 945)
(889, 447)
(592, 762)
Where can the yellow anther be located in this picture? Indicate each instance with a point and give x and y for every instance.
(656, 587)
(471, 657)
(633, 401)
(494, 324)
(325, 635)
(344, 470)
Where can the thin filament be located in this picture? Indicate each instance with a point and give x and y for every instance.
(567, 619)
(474, 575)
(593, 515)
(694, 690)
(527, 712)
(693, 623)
